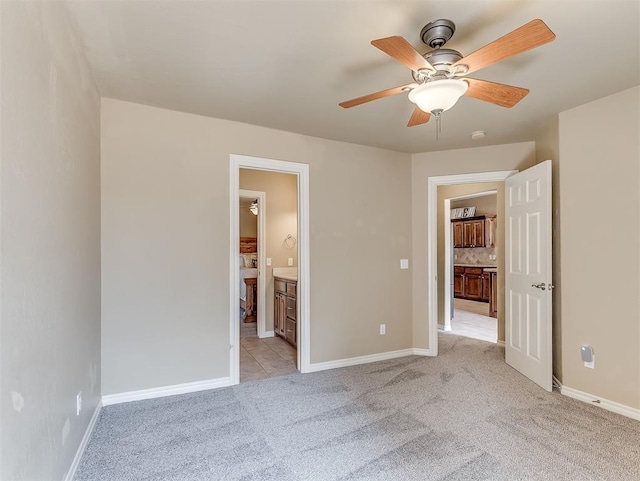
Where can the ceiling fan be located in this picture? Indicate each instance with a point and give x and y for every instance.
(439, 75)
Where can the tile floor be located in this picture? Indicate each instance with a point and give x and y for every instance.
(471, 319)
(263, 358)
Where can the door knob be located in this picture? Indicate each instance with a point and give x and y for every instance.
(539, 286)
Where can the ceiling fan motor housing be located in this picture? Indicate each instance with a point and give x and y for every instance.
(440, 59)
(437, 33)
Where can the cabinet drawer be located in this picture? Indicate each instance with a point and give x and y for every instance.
(291, 332)
(473, 270)
(291, 288)
(279, 285)
(291, 308)
(458, 270)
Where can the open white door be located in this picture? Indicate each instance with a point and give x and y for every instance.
(528, 273)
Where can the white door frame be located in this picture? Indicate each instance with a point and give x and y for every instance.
(262, 238)
(447, 252)
(303, 295)
(432, 238)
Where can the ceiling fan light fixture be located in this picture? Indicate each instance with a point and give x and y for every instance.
(438, 95)
(254, 207)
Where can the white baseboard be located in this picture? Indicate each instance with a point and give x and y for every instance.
(613, 406)
(83, 444)
(165, 391)
(500, 343)
(422, 352)
(268, 334)
(354, 361)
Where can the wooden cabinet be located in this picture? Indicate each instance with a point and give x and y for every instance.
(472, 232)
(486, 286)
(473, 283)
(458, 281)
(458, 235)
(493, 300)
(279, 315)
(285, 316)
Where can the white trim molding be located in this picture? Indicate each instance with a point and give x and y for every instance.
(432, 238)
(163, 391)
(628, 411)
(422, 352)
(83, 444)
(355, 361)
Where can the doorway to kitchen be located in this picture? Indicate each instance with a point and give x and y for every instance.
(473, 262)
(439, 267)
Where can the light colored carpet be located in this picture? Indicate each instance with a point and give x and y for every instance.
(464, 415)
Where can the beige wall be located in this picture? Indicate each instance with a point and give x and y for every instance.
(496, 204)
(281, 201)
(600, 234)
(482, 159)
(165, 246)
(485, 204)
(50, 242)
(248, 222)
(547, 148)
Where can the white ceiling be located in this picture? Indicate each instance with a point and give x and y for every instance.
(287, 64)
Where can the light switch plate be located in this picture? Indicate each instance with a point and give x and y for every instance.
(404, 263)
(268, 261)
(290, 261)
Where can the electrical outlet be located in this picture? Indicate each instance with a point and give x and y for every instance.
(290, 261)
(588, 357)
(592, 364)
(383, 329)
(78, 403)
(268, 261)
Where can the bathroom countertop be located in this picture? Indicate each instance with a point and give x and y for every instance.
(288, 273)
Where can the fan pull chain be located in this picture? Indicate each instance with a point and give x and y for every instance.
(438, 115)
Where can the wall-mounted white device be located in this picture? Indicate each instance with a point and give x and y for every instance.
(587, 356)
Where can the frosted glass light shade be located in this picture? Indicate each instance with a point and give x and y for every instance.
(438, 95)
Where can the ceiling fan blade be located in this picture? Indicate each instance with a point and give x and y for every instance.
(377, 95)
(418, 117)
(529, 36)
(499, 94)
(398, 48)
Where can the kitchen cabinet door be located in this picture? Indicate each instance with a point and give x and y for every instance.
(458, 236)
(473, 286)
(486, 286)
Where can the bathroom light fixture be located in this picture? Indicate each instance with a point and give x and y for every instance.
(437, 96)
(254, 207)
